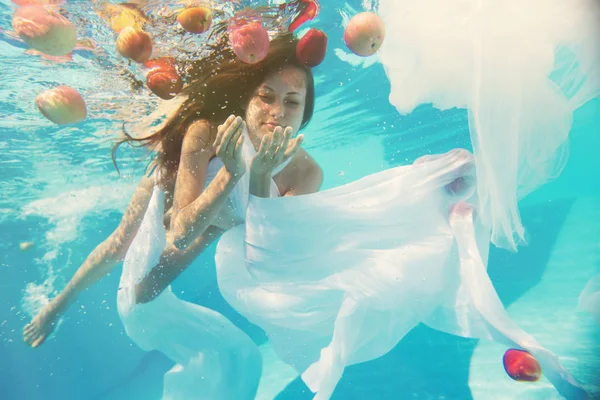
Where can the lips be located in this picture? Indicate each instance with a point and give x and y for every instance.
(272, 124)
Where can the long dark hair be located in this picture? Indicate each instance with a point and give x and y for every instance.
(219, 85)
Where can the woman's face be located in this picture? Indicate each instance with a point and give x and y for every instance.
(279, 101)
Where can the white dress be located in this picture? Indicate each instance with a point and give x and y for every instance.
(339, 277)
(214, 359)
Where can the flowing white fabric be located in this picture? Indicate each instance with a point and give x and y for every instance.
(206, 347)
(520, 68)
(214, 359)
(339, 277)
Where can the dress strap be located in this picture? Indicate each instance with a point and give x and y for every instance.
(154, 172)
(281, 166)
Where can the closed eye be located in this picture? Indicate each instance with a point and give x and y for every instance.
(265, 98)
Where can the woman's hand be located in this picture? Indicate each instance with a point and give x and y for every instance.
(228, 145)
(274, 150)
(42, 325)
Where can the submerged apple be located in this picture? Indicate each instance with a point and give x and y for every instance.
(250, 42)
(62, 105)
(364, 34)
(45, 30)
(163, 79)
(311, 48)
(195, 19)
(134, 44)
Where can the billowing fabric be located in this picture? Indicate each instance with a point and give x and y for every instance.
(339, 277)
(520, 68)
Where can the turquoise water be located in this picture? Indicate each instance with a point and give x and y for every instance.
(60, 191)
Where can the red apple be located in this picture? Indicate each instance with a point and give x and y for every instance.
(163, 63)
(312, 47)
(62, 105)
(521, 366)
(163, 79)
(364, 34)
(195, 19)
(134, 44)
(45, 30)
(164, 84)
(250, 42)
(37, 2)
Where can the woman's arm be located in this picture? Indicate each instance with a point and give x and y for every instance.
(97, 265)
(112, 251)
(195, 208)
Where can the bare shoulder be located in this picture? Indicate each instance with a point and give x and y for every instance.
(307, 165)
(198, 136)
(303, 176)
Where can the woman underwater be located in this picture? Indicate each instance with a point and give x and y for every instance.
(199, 166)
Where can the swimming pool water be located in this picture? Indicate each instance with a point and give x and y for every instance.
(60, 191)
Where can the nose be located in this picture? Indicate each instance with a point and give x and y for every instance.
(276, 110)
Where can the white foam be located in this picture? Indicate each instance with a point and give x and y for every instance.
(66, 209)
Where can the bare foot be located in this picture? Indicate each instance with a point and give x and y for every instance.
(41, 326)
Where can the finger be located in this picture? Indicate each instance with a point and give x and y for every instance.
(275, 142)
(27, 335)
(231, 130)
(293, 147)
(278, 135)
(230, 149)
(28, 328)
(238, 147)
(264, 144)
(38, 342)
(287, 134)
(221, 131)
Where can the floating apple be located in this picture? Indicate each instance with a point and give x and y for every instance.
(24, 246)
(163, 79)
(45, 30)
(134, 44)
(62, 105)
(37, 2)
(364, 34)
(120, 16)
(250, 42)
(521, 366)
(311, 48)
(195, 19)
